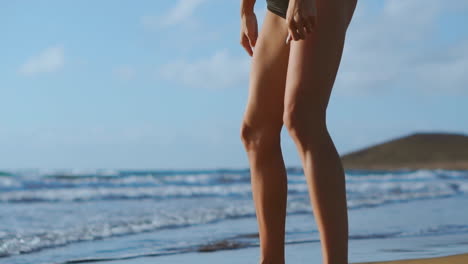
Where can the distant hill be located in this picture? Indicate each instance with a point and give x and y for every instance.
(415, 151)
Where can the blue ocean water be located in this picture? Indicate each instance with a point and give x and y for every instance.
(70, 216)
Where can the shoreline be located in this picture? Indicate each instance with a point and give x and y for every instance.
(461, 258)
(450, 259)
(408, 250)
(226, 256)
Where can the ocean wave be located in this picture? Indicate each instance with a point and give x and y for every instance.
(44, 180)
(9, 182)
(356, 191)
(365, 188)
(422, 174)
(32, 241)
(120, 179)
(19, 243)
(443, 229)
(123, 193)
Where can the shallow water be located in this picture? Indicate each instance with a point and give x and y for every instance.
(58, 216)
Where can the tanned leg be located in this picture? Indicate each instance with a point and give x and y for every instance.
(260, 134)
(313, 65)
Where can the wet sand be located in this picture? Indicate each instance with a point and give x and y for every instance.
(453, 259)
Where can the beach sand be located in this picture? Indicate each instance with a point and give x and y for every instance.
(452, 259)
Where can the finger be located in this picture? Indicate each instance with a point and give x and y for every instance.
(253, 38)
(288, 38)
(300, 27)
(246, 44)
(307, 27)
(301, 30)
(292, 29)
(294, 34)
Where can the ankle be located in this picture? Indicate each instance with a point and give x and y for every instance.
(335, 262)
(272, 260)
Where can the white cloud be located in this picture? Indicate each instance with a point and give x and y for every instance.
(221, 70)
(124, 72)
(50, 60)
(181, 12)
(394, 48)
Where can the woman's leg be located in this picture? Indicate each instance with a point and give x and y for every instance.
(313, 64)
(260, 134)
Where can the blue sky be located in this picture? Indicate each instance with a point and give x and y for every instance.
(163, 84)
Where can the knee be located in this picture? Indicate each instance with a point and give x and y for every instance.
(259, 136)
(304, 125)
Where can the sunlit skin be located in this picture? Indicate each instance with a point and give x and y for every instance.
(290, 83)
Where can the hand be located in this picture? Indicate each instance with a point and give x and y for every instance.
(301, 14)
(249, 31)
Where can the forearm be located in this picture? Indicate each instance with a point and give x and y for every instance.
(247, 6)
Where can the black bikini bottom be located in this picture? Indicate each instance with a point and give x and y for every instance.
(278, 7)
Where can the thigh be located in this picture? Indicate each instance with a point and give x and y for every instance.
(314, 61)
(268, 74)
